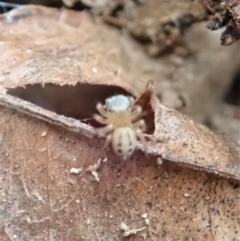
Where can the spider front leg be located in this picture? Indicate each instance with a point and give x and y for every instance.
(100, 119)
(140, 125)
(136, 112)
(104, 131)
(101, 110)
(131, 100)
(107, 141)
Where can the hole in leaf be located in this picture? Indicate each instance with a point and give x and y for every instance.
(77, 101)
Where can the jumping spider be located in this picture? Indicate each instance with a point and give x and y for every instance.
(123, 124)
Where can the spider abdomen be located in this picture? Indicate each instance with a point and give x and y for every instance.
(124, 141)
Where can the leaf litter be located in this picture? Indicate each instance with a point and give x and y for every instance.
(35, 163)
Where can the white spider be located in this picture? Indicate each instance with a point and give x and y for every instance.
(123, 126)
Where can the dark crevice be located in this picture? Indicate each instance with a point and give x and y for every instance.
(232, 96)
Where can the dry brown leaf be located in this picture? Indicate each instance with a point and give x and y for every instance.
(41, 197)
(179, 139)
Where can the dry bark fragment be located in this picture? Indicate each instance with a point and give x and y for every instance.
(163, 23)
(227, 14)
(177, 138)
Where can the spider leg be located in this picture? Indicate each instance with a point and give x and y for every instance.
(101, 109)
(131, 100)
(136, 111)
(100, 119)
(140, 125)
(108, 140)
(142, 139)
(104, 131)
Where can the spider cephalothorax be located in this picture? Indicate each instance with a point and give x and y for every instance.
(123, 124)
